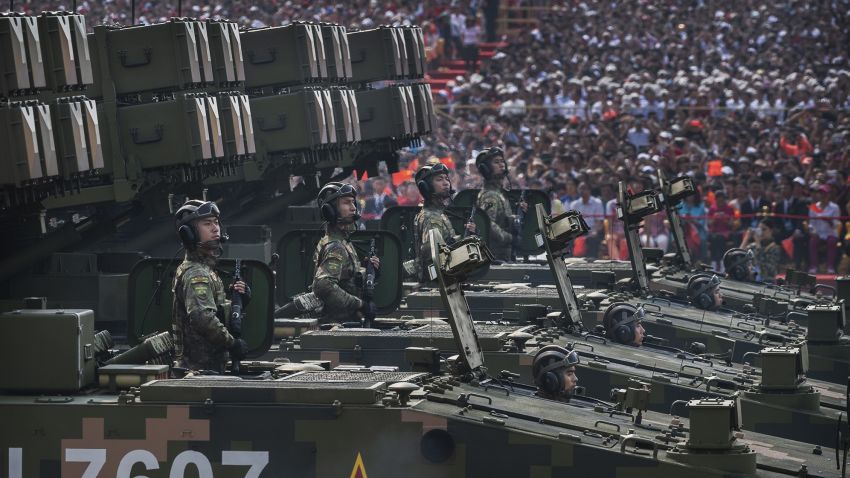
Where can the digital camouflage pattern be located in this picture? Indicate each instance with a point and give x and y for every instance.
(432, 216)
(338, 273)
(767, 257)
(201, 338)
(493, 200)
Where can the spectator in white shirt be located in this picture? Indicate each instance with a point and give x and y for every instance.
(822, 229)
(593, 211)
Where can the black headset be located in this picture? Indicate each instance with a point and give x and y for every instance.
(619, 321)
(327, 200)
(701, 295)
(735, 261)
(424, 176)
(482, 161)
(188, 213)
(545, 376)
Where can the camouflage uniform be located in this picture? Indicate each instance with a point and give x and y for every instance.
(431, 216)
(338, 281)
(493, 200)
(767, 258)
(201, 339)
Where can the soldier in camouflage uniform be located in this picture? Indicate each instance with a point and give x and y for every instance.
(493, 199)
(339, 272)
(436, 188)
(200, 307)
(763, 250)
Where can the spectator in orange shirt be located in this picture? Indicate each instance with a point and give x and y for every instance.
(795, 144)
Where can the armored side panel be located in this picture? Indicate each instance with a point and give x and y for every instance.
(68, 334)
(424, 104)
(290, 122)
(336, 53)
(167, 133)
(401, 42)
(375, 55)
(415, 51)
(355, 115)
(342, 115)
(529, 245)
(150, 304)
(280, 56)
(216, 140)
(77, 134)
(47, 142)
(296, 273)
(206, 55)
(66, 51)
(226, 50)
(165, 56)
(321, 54)
(235, 122)
(383, 113)
(330, 116)
(412, 124)
(21, 161)
(21, 58)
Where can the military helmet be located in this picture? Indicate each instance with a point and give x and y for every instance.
(619, 321)
(700, 289)
(185, 217)
(326, 200)
(736, 261)
(482, 161)
(424, 175)
(547, 362)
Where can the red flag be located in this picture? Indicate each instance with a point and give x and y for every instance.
(788, 246)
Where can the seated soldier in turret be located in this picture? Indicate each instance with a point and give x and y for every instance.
(704, 292)
(622, 322)
(554, 370)
(738, 264)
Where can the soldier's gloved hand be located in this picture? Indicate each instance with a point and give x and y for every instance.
(238, 350)
(368, 308)
(242, 289)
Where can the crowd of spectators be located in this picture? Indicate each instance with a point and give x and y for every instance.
(751, 99)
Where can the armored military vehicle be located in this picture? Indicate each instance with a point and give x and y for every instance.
(800, 290)
(256, 120)
(675, 374)
(317, 423)
(669, 317)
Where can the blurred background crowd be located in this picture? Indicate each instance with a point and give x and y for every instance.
(751, 99)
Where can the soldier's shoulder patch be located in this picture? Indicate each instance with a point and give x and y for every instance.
(435, 222)
(488, 203)
(201, 289)
(199, 280)
(333, 264)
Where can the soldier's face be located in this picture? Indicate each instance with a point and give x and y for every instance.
(347, 208)
(640, 334)
(208, 229)
(718, 299)
(570, 380)
(442, 185)
(498, 166)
